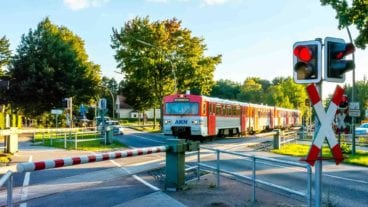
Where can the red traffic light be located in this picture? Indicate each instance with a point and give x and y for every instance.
(303, 53)
(349, 48)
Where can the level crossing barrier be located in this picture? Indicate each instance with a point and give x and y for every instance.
(57, 163)
(307, 194)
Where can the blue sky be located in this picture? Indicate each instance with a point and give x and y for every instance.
(255, 37)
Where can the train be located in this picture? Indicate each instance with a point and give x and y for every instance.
(196, 116)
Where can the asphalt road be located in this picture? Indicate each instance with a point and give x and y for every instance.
(107, 184)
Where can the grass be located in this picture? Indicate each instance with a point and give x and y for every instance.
(300, 150)
(4, 158)
(57, 141)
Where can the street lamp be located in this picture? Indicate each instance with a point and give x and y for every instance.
(166, 56)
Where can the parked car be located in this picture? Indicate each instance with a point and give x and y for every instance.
(362, 129)
(116, 128)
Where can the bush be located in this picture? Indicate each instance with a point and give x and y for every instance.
(345, 148)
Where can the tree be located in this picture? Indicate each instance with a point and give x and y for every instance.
(253, 90)
(286, 93)
(5, 53)
(109, 90)
(50, 64)
(361, 95)
(354, 14)
(160, 57)
(225, 89)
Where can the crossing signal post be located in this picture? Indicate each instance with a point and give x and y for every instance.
(307, 61)
(336, 64)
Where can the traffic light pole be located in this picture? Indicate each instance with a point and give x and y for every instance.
(352, 100)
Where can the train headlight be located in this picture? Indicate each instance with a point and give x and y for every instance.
(196, 122)
(167, 121)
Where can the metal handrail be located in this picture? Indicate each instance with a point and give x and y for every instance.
(307, 194)
(8, 178)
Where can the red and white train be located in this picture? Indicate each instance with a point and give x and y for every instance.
(188, 116)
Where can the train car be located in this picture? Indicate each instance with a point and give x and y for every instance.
(190, 116)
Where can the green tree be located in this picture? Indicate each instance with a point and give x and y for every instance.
(361, 88)
(286, 93)
(354, 14)
(161, 56)
(253, 90)
(225, 89)
(50, 64)
(5, 53)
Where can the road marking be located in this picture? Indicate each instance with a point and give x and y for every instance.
(136, 177)
(27, 178)
(146, 138)
(346, 179)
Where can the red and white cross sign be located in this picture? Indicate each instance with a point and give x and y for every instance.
(325, 119)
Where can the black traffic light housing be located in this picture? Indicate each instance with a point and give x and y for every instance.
(335, 63)
(344, 102)
(307, 61)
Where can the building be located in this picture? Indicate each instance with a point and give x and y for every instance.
(124, 110)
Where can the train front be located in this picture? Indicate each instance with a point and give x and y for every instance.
(182, 116)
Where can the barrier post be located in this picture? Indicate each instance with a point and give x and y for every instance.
(276, 139)
(175, 165)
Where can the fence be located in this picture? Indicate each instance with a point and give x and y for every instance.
(253, 159)
(49, 164)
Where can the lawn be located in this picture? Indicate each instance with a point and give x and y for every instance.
(300, 150)
(86, 142)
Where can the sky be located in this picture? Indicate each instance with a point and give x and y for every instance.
(254, 37)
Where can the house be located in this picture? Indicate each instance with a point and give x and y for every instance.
(124, 110)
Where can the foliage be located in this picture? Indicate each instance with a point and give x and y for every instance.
(157, 56)
(225, 89)
(50, 64)
(354, 14)
(109, 90)
(345, 148)
(252, 91)
(361, 95)
(5, 52)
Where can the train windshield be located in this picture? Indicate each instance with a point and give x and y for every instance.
(182, 108)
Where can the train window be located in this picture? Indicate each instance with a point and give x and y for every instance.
(182, 108)
(218, 109)
(204, 108)
(229, 111)
(223, 110)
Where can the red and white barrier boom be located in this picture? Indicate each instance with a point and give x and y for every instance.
(325, 119)
(42, 165)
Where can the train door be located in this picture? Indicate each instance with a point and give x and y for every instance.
(243, 119)
(211, 117)
(256, 118)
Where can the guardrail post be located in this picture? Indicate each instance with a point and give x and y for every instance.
(198, 164)
(9, 200)
(218, 167)
(276, 139)
(75, 141)
(254, 179)
(64, 140)
(309, 186)
(175, 165)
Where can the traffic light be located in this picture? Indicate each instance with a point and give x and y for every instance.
(335, 63)
(307, 61)
(344, 102)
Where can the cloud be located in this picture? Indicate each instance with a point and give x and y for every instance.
(76, 5)
(214, 2)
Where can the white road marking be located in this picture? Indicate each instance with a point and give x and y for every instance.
(346, 179)
(136, 177)
(147, 138)
(27, 178)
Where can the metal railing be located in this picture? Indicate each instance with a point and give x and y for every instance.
(307, 194)
(8, 179)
